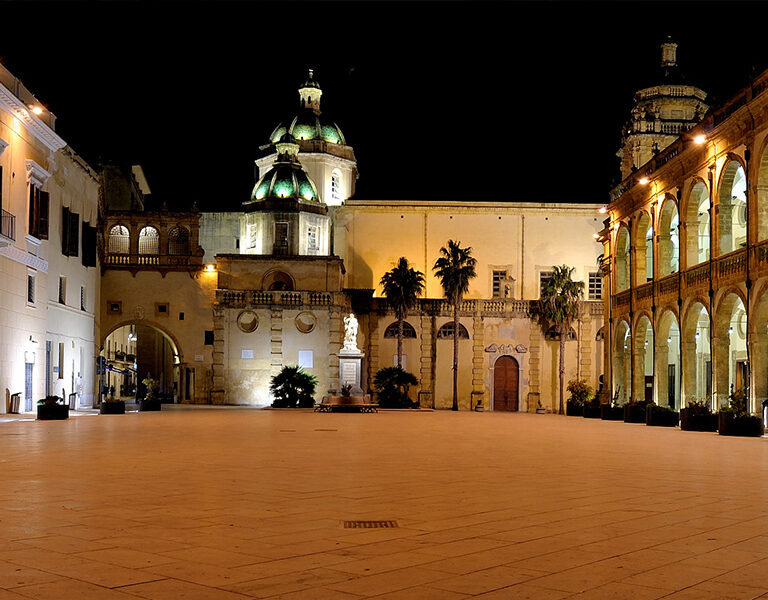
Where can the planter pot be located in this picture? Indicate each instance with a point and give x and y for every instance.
(634, 413)
(541, 411)
(591, 411)
(52, 412)
(112, 408)
(689, 421)
(611, 413)
(147, 405)
(573, 410)
(657, 416)
(745, 426)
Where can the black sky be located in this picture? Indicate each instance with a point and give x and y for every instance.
(519, 101)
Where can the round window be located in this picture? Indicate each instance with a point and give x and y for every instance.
(247, 321)
(305, 322)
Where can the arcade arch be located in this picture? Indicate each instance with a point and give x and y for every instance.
(729, 341)
(643, 250)
(697, 225)
(732, 208)
(697, 354)
(622, 259)
(622, 363)
(669, 239)
(643, 349)
(667, 356)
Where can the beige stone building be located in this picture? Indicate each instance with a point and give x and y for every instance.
(49, 298)
(686, 266)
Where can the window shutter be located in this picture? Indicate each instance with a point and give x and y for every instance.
(64, 230)
(74, 234)
(89, 245)
(32, 206)
(42, 217)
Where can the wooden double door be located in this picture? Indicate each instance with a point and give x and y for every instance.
(506, 376)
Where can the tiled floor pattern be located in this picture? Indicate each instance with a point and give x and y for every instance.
(231, 505)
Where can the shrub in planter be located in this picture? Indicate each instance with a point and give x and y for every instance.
(392, 385)
(591, 409)
(697, 416)
(580, 393)
(735, 420)
(611, 412)
(660, 416)
(112, 406)
(51, 408)
(293, 387)
(151, 400)
(634, 412)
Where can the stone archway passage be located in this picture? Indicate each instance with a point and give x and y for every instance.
(506, 374)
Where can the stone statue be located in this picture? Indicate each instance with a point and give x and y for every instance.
(350, 333)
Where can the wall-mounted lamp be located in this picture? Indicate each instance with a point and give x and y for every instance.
(603, 210)
(210, 268)
(35, 109)
(700, 139)
(643, 180)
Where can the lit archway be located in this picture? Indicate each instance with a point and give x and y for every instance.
(669, 238)
(697, 225)
(732, 208)
(622, 259)
(667, 356)
(643, 349)
(621, 368)
(697, 378)
(759, 348)
(643, 266)
(133, 352)
(730, 347)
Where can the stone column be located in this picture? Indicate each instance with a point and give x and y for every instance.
(721, 368)
(638, 376)
(661, 379)
(725, 226)
(335, 338)
(478, 396)
(220, 344)
(534, 369)
(373, 350)
(759, 372)
(276, 340)
(690, 365)
(427, 362)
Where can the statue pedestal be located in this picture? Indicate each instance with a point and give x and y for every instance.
(350, 370)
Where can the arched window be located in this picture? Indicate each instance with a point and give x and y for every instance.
(178, 241)
(149, 241)
(336, 193)
(408, 330)
(278, 281)
(446, 332)
(119, 240)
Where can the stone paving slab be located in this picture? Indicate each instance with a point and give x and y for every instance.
(238, 504)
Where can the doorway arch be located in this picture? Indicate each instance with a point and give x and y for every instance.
(506, 378)
(133, 351)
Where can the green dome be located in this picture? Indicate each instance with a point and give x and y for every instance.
(286, 180)
(309, 126)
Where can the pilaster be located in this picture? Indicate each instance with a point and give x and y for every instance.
(220, 344)
(335, 338)
(479, 397)
(427, 364)
(534, 367)
(373, 348)
(276, 340)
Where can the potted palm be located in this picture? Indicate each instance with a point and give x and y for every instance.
(612, 411)
(734, 419)
(151, 400)
(392, 385)
(580, 393)
(698, 416)
(52, 408)
(292, 387)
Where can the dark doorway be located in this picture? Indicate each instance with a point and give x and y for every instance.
(506, 373)
(649, 388)
(671, 386)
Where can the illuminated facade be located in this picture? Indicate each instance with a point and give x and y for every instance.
(49, 298)
(686, 263)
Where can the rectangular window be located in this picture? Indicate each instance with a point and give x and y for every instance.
(497, 277)
(595, 286)
(38, 212)
(70, 232)
(62, 290)
(312, 238)
(281, 235)
(161, 309)
(115, 307)
(89, 245)
(544, 278)
(31, 288)
(306, 359)
(209, 337)
(253, 235)
(82, 297)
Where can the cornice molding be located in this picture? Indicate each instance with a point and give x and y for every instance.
(36, 174)
(44, 134)
(25, 258)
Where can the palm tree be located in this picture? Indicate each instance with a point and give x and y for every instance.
(455, 267)
(402, 287)
(558, 307)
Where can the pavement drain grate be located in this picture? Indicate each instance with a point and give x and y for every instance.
(326, 429)
(369, 524)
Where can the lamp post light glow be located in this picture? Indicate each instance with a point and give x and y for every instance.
(210, 268)
(643, 180)
(700, 139)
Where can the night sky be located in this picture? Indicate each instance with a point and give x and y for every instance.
(504, 101)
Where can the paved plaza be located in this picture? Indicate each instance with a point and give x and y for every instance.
(237, 504)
